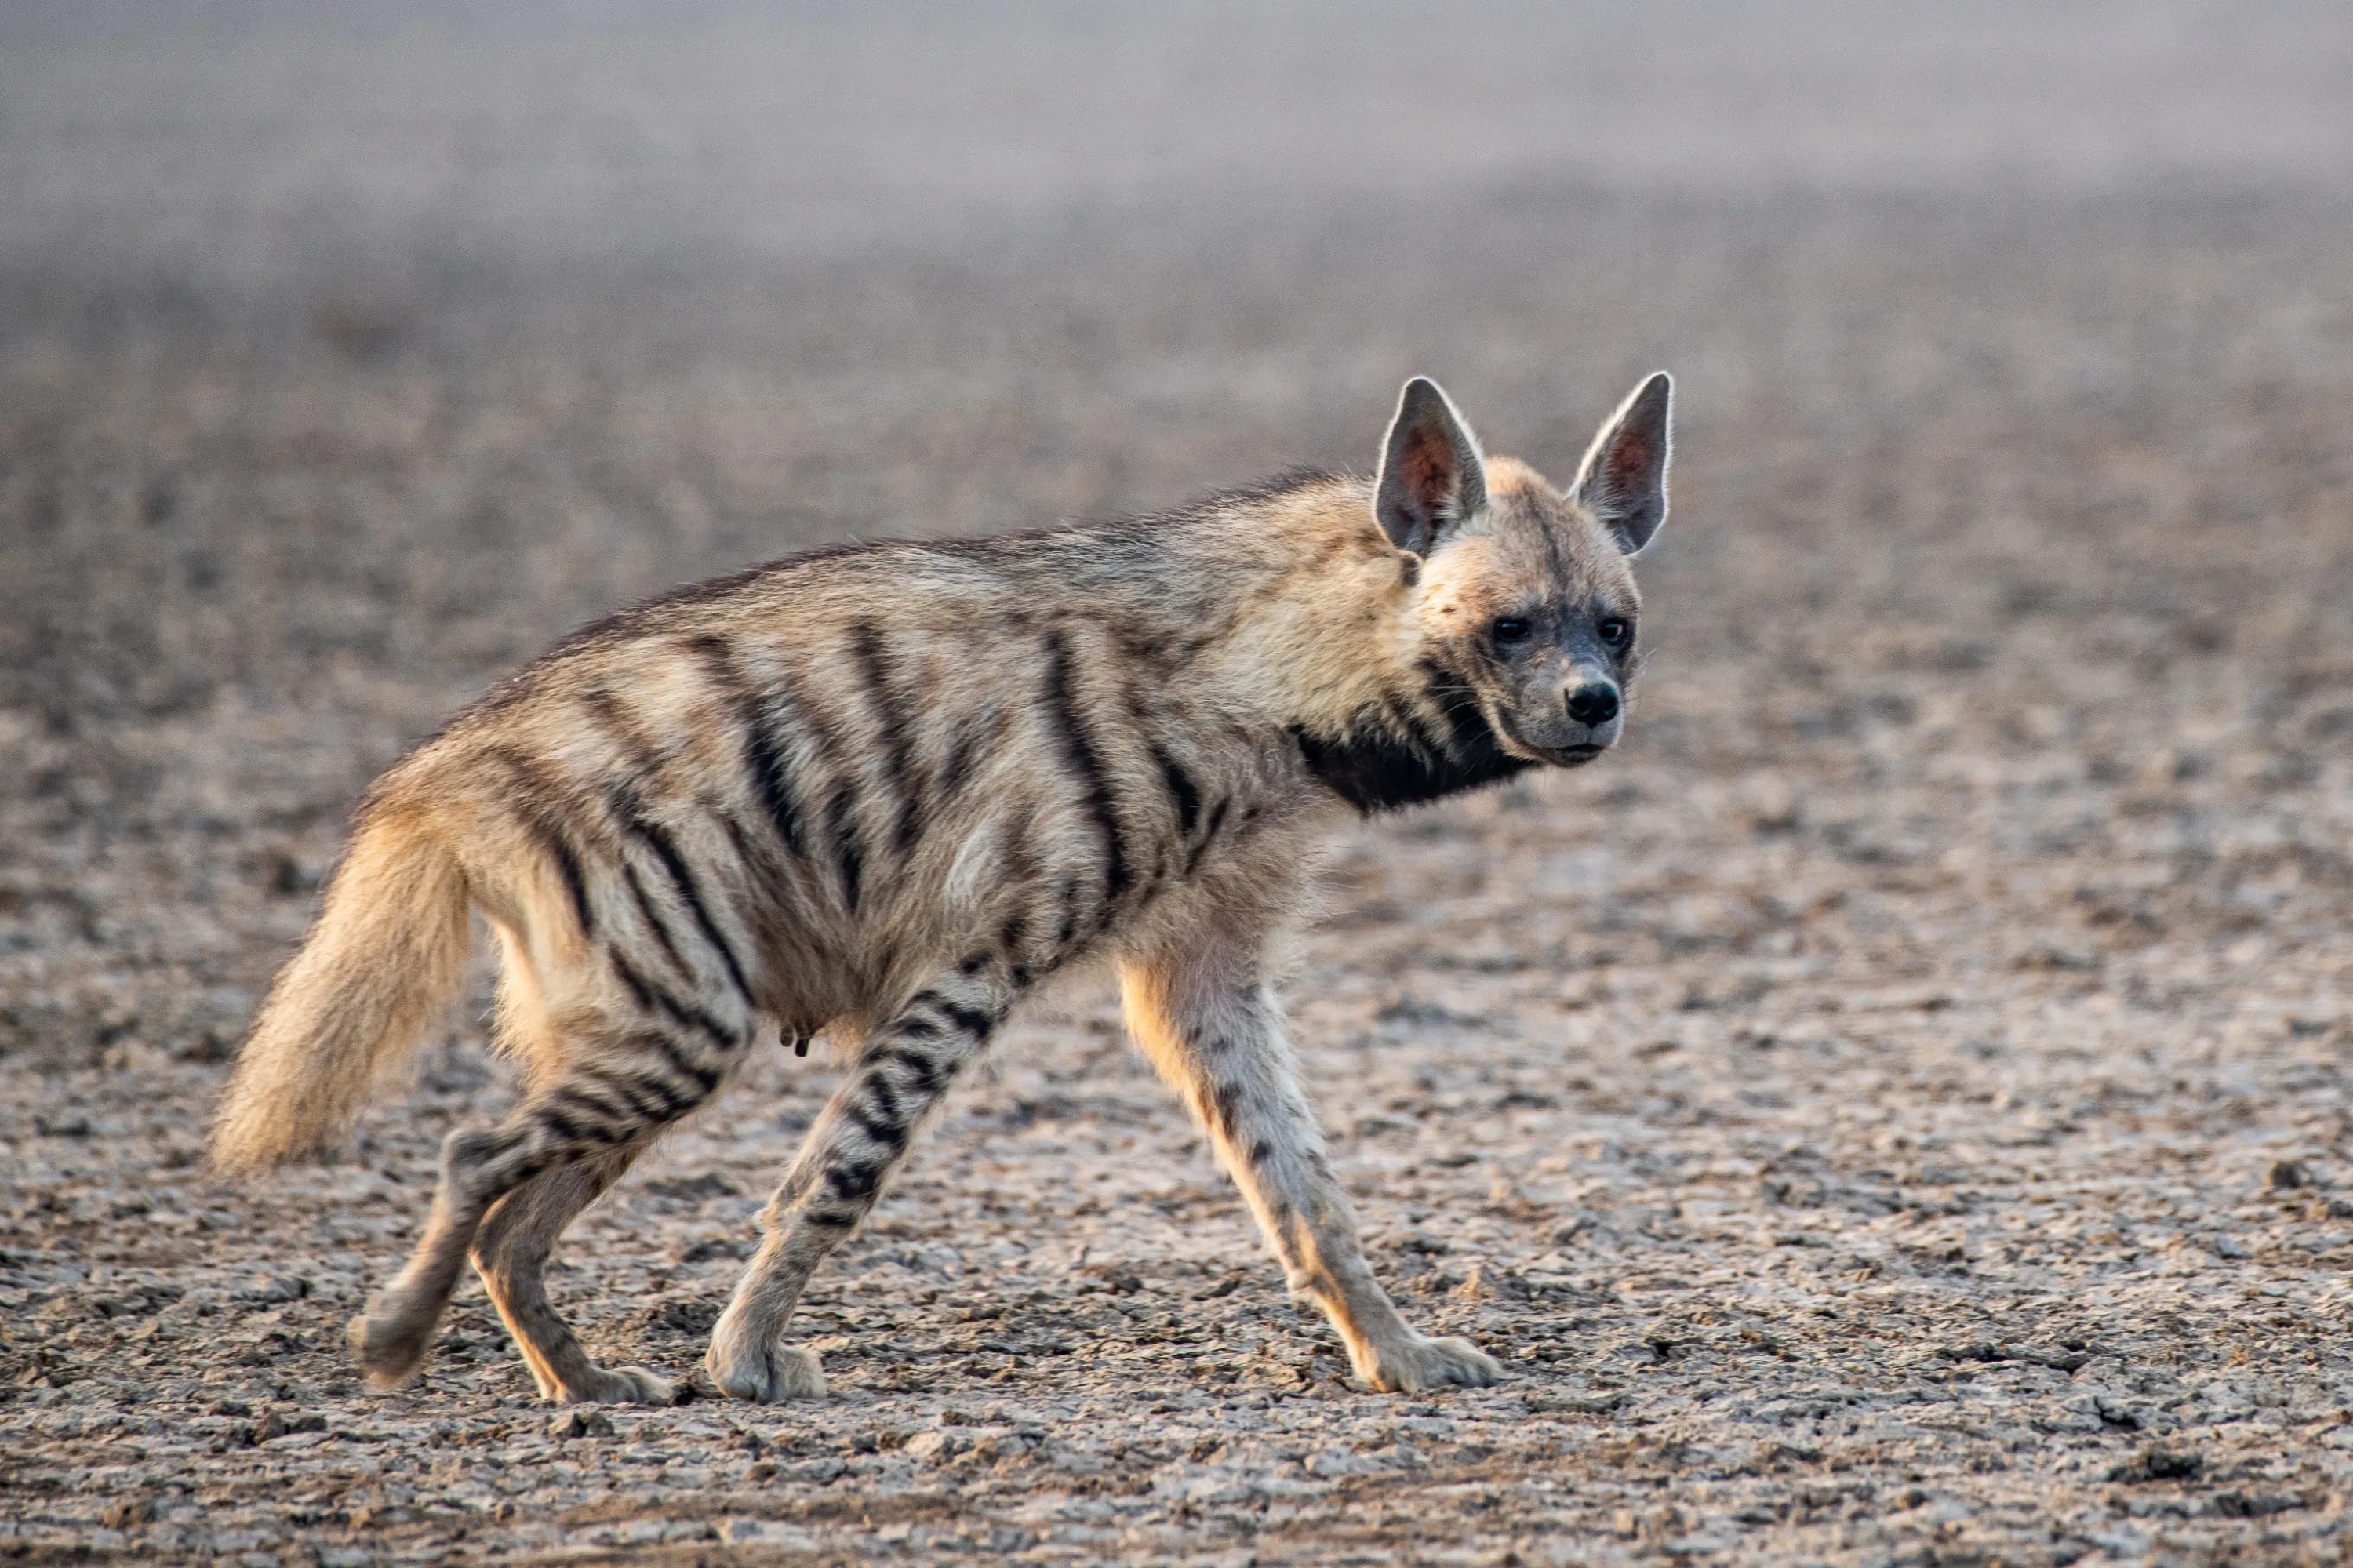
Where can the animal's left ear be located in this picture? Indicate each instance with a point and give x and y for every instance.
(1624, 476)
(1432, 475)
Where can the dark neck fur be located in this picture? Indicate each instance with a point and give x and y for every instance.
(1394, 760)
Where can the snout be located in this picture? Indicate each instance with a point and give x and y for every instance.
(1593, 713)
(1594, 703)
(1574, 725)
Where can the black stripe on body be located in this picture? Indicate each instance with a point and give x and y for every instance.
(1078, 752)
(1011, 938)
(607, 1124)
(651, 912)
(553, 844)
(627, 807)
(703, 1077)
(737, 839)
(1208, 835)
(841, 821)
(666, 847)
(764, 742)
(973, 736)
(565, 1129)
(1182, 791)
(539, 818)
(898, 756)
(596, 1106)
(651, 998)
(650, 1097)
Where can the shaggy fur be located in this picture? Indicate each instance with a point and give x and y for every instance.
(884, 792)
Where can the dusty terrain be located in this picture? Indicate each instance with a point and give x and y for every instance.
(1896, 1109)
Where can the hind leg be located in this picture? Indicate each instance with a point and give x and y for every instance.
(392, 1335)
(605, 1105)
(511, 1252)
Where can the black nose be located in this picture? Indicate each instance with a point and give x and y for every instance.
(1596, 704)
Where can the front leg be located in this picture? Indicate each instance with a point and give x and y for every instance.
(905, 1066)
(1200, 1009)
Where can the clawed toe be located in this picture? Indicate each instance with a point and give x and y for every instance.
(1433, 1363)
(768, 1376)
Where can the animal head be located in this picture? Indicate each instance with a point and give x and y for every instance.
(1523, 592)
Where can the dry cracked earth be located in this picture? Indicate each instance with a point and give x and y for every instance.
(1899, 1108)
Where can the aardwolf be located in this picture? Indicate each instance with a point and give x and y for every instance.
(882, 793)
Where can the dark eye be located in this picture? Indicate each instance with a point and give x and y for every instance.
(1616, 631)
(1511, 629)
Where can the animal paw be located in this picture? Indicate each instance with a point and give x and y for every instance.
(619, 1385)
(1420, 1364)
(764, 1374)
(390, 1339)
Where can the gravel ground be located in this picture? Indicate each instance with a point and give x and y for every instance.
(1896, 1109)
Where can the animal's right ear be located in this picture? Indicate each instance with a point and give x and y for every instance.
(1432, 475)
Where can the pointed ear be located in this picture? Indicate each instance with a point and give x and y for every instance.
(1624, 476)
(1432, 476)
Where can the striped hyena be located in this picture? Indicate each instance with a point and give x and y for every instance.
(882, 793)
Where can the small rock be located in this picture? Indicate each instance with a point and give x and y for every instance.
(581, 1423)
(2113, 1412)
(1981, 1351)
(1572, 1405)
(126, 1512)
(274, 1288)
(932, 1448)
(2286, 1176)
(2155, 1463)
(2252, 1505)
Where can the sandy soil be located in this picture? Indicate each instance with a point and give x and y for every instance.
(1895, 1110)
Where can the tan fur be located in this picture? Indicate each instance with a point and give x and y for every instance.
(881, 794)
(387, 953)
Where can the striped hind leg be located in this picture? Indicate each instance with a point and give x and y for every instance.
(601, 1107)
(906, 1066)
(510, 1253)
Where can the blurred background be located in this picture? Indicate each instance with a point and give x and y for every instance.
(350, 353)
(1953, 955)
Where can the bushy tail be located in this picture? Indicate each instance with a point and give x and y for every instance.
(387, 953)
